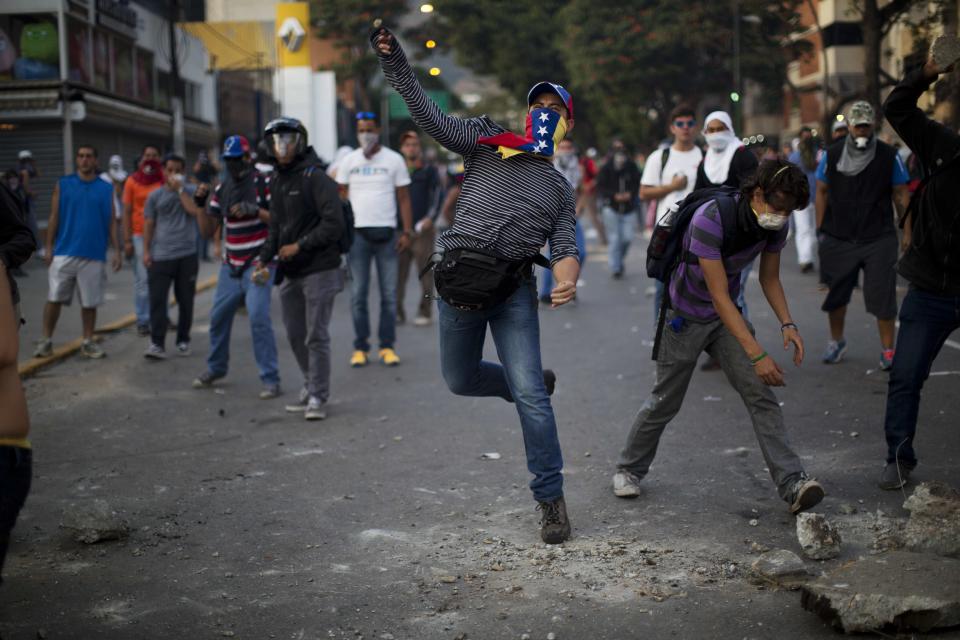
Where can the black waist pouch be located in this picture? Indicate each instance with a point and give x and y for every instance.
(474, 279)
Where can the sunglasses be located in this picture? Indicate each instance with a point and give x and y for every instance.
(684, 124)
(366, 115)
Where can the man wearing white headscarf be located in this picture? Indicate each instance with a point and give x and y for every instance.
(727, 162)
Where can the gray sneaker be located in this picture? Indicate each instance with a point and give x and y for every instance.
(90, 349)
(316, 409)
(183, 349)
(301, 404)
(806, 493)
(626, 484)
(44, 348)
(895, 475)
(269, 391)
(155, 352)
(205, 379)
(554, 524)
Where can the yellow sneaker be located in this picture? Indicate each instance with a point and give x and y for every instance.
(359, 359)
(389, 357)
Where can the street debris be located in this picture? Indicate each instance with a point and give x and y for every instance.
(818, 538)
(92, 522)
(493, 455)
(934, 523)
(904, 590)
(780, 567)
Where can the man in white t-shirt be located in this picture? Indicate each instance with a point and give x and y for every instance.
(670, 179)
(375, 180)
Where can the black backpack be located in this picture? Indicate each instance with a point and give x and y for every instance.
(346, 238)
(665, 250)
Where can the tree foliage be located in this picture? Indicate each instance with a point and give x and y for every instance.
(625, 61)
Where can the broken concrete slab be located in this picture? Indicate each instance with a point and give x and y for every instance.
(779, 567)
(94, 521)
(817, 537)
(934, 524)
(900, 589)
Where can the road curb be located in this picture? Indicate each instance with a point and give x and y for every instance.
(30, 367)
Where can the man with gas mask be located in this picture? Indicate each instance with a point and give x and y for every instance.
(512, 202)
(306, 230)
(240, 205)
(858, 180)
(724, 236)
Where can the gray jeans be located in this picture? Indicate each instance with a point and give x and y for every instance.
(677, 361)
(307, 305)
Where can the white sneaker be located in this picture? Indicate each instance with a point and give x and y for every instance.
(183, 349)
(44, 348)
(626, 484)
(155, 352)
(301, 404)
(421, 321)
(316, 409)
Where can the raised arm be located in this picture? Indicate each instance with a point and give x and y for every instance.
(456, 134)
(927, 138)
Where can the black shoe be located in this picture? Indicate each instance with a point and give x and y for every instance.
(143, 330)
(893, 477)
(616, 275)
(549, 381)
(806, 267)
(554, 525)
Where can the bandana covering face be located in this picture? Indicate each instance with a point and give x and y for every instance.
(150, 172)
(545, 129)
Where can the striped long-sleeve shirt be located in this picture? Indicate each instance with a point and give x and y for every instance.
(508, 206)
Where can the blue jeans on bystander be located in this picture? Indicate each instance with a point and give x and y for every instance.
(384, 254)
(926, 321)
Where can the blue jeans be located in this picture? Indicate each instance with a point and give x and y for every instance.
(516, 333)
(546, 282)
(141, 288)
(230, 293)
(16, 470)
(926, 321)
(620, 230)
(385, 256)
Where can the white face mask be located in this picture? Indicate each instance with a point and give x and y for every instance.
(861, 142)
(368, 140)
(718, 140)
(770, 221)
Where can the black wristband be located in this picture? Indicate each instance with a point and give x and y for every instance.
(788, 325)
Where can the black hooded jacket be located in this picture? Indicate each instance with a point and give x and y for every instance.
(16, 239)
(932, 261)
(315, 228)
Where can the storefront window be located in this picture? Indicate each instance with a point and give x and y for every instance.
(101, 60)
(163, 90)
(144, 75)
(29, 47)
(123, 67)
(78, 43)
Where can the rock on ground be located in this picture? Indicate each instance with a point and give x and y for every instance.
(900, 589)
(817, 537)
(94, 521)
(779, 567)
(934, 523)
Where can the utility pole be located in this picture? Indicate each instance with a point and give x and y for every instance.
(176, 89)
(737, 92)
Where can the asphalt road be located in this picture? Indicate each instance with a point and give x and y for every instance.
(383, 521)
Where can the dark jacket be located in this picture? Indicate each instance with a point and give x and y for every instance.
(16, 239)
(860, 207)
(743, 164)
(313, 221)
(611, 181)
(932, 261)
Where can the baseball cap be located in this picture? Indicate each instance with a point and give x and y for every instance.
(839, 124)
(861, 113)
(23, 155)
(235, 147)
(551, 87)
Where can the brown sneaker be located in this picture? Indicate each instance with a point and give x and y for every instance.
(554, 524)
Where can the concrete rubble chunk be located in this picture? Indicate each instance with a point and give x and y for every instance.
(934, 524)
(779, 567)
(94, 521)
(901, 590)
(817, 537)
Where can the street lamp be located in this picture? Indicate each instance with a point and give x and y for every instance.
(426, 8)
(430, 44)
(435, 71)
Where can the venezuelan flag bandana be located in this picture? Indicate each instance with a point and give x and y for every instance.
(545, 129)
